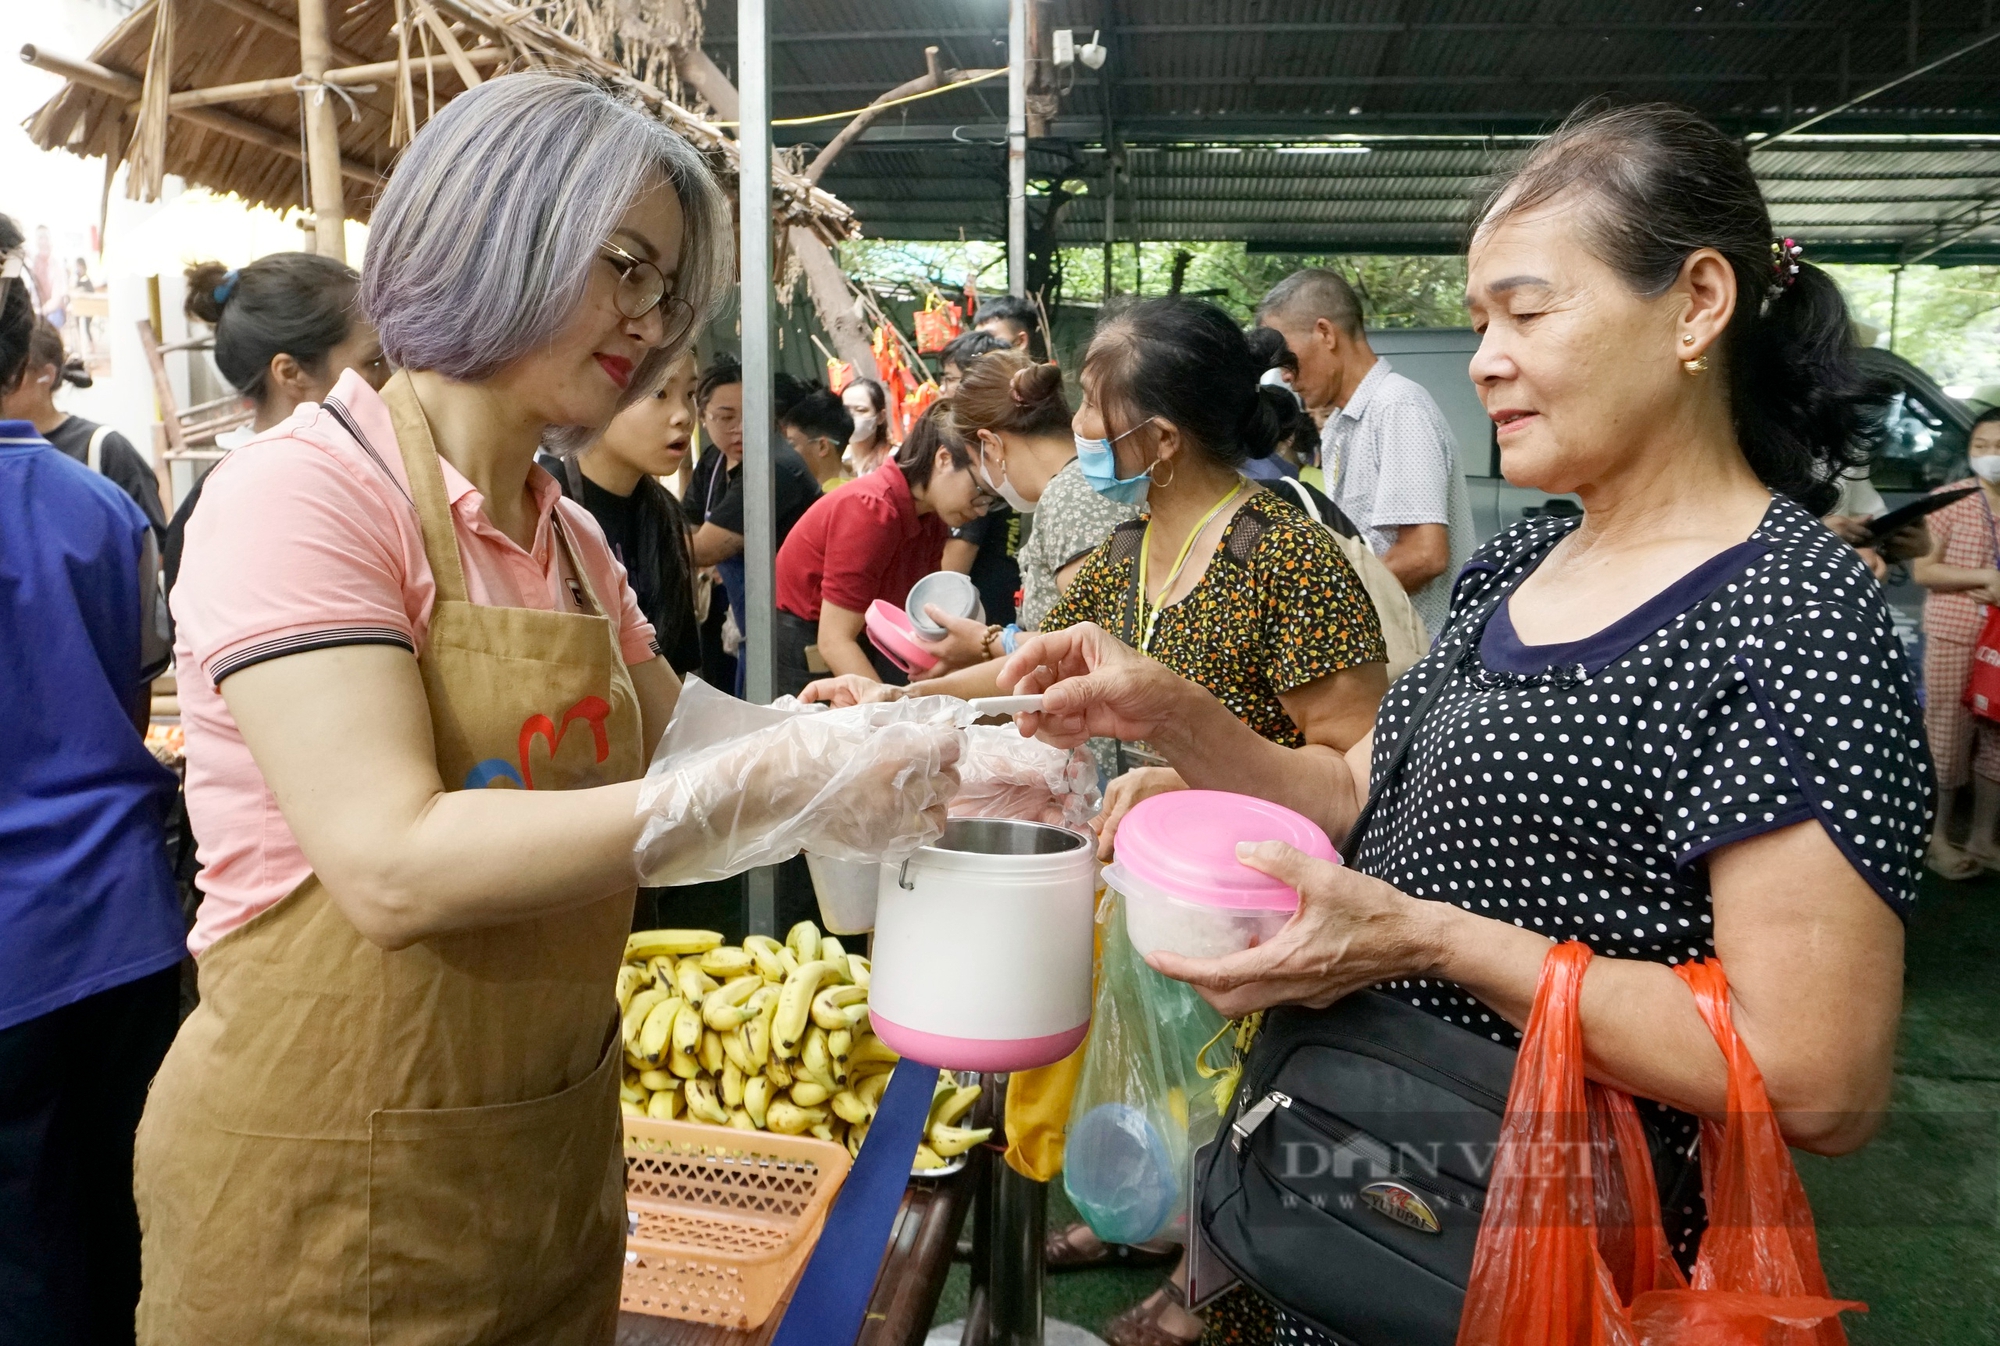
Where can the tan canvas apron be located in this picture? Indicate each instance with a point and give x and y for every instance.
(352, 1145)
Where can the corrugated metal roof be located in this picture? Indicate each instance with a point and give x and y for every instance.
(1440, 93)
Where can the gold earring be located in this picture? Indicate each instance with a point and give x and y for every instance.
(1155, 467)
(1698, 365)
(1687, 338)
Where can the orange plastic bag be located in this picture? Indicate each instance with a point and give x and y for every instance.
(1571, 1250)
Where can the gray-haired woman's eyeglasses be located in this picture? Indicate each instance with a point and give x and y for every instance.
(642, 288)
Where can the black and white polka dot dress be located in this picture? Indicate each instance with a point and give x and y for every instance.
(1575, 789)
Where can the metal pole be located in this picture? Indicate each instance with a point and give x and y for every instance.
(329, 204)
(1895, 304)
(1859, 99)
(1110, 207)
(760, 539)
(1020, 1231)
(1017, 146)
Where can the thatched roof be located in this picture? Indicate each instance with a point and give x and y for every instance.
(250, 145)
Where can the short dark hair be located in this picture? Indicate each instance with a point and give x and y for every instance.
(722, 371)
(1650, 185)
(1009, 308)
(287, 303)
(786, 392)
(818, 415)
(1188, 362)
(1312, 294)
(928, 433)
(45, 347)
(17, 313)
(966, 347)
(1986, 417)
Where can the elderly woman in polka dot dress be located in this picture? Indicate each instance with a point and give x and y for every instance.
(1678, 726)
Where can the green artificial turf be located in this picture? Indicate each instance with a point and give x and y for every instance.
(1910, 1225)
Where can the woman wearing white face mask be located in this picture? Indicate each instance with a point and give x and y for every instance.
(868, 447)
(1962, 573)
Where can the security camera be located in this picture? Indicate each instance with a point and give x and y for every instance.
(1092, 53)
(1065, 48)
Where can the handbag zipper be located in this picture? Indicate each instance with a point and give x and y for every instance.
(1340, 1132)
(1245, 1126)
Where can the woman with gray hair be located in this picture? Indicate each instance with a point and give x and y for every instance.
(394, 1116)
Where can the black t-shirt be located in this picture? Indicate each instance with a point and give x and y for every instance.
(704, 492)
(648, 534)
(121, 463)
(171, 549)
(719, 499)
(995, 573)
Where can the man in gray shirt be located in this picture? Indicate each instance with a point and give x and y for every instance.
(1390, 460)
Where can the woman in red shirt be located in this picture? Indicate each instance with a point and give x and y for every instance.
(874, 538)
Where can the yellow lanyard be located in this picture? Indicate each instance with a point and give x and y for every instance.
(1147, 624)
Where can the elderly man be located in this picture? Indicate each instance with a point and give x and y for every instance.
(1391, 463)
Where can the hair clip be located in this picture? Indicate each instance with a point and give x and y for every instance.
(1785, 255)
(222, 292)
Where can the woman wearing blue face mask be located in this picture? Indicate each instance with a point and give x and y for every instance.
(1222, 581)
(1226, 583)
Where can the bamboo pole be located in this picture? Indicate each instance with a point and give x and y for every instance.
(322, 120)
(121, 85)
(351, 75)
(283, 27)
(449, 42)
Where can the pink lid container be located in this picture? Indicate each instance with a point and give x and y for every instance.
(1183, 843)
(888, 626)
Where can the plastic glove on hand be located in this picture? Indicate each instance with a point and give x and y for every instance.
(859, 783)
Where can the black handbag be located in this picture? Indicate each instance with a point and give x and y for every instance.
(1349, 1185)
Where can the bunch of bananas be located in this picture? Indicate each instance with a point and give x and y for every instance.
(764, 1037)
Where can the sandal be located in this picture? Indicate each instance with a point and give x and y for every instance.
(1145, 1323)
(1956, 865)
(1078, 1249)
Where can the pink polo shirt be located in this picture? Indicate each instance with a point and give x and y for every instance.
(303, 541)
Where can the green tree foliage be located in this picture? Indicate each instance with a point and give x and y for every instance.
(1397, 291)
(1946, 319)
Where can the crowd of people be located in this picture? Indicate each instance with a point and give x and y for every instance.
(489, 489)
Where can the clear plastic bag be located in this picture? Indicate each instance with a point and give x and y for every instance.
(1570, 1246)
(733, 785)
(1141, 1106)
